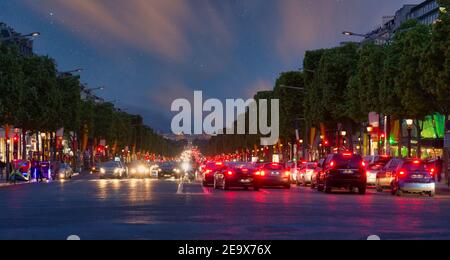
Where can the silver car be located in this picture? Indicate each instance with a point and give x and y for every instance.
(306, 172)
(387, 174)
(413, 176)
(65, 172)
(113, 169)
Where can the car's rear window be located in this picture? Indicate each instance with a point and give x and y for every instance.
(414, 167)
(273, 166)
(351, 161)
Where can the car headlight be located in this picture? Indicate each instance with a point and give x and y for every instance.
(141, 169)
(62, 176)
(102, 171)
(117, 170)
(133, 171)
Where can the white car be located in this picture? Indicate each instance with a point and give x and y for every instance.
(305, 173)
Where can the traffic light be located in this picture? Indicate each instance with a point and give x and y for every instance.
(16, 139)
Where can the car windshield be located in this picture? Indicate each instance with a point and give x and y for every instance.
(347, 161)
(167, 165)
(111, 164)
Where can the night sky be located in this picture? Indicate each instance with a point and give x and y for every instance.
(150, 52)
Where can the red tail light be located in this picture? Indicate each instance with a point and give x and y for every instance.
(208, 172)
(416, 162)
(432, 171)
(402, 173)
(244, 170)
(230, 173)
(363, 163)
(219, 163)
(347, 154)
(332, 164)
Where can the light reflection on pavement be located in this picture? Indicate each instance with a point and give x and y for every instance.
(151, 209)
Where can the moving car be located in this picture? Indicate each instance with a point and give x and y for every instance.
(139, 169)
(316, 173)
(113, 169)
(343, 170)
(168, 170)
(387, 174)
(412, 176)
(273, 175)
(306, 173)
(236, 175)
(64, 172)
(375, 165)
(208, 171)
(294, 168)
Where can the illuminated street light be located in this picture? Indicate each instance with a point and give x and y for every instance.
(410, 125)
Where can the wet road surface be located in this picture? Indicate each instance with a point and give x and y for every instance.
(152, 209)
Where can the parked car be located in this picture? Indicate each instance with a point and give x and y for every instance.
(113, 169)
(343, 170)
(387, 174)
(208, 170)
(412, 176)
(273, 175)
(236, 175)
(375, 165)
(306, 173)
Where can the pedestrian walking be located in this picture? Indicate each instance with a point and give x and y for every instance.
(2, 168)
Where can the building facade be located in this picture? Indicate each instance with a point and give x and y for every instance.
(426, 12)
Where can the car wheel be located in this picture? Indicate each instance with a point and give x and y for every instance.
(327, 188)
(320, 187)
(362, 190)
(224, 185)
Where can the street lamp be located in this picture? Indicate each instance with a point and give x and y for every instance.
(409, 124)
(348, 33)
(369, 131)
(291, 87)
(33, 34)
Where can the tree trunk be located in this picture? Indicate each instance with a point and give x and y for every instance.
(419, 138)
(446, 156)
(24, 144)
(400, 142)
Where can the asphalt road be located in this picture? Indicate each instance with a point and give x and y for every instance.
(152, 209)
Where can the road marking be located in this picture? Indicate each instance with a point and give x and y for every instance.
(180, 188)
(206, 190)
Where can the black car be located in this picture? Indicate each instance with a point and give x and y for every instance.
(208, 171)
(236, 175)
(273, 175)
(343, 170)
(169, 170)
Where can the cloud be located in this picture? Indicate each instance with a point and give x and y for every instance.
(259, 85)
(159, 27)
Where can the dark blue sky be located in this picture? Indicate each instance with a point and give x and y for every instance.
(150, 52)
